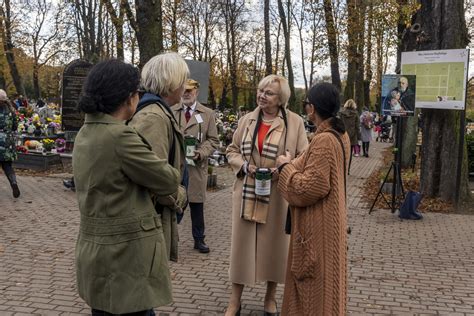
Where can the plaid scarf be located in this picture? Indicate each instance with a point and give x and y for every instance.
(255, 207)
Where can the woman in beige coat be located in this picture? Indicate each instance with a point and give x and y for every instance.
(314, 185)
(259, 246)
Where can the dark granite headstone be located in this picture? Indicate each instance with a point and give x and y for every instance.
(73, 77)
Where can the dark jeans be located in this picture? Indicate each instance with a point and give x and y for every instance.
(96, 312)
(9, 172)
(365, 148)
(197, 220)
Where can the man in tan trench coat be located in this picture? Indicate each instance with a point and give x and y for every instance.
(197, 121)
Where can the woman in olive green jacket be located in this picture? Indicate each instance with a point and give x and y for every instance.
(121, 259)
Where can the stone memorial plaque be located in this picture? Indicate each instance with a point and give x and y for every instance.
(73, 77)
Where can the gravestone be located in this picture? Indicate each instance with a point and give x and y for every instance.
(199, 71)
(73, 78)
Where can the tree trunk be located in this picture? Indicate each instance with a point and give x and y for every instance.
(359, 84)
(149, 29)
(332, 43)
(368, 61)
(352, 32)
(268, 45)
(36, 85)
(286, 34)
(379, 68)
(117, 21)
(5, 24)
(442, 27)
(410, 124)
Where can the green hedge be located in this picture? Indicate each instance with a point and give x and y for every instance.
(470, 151)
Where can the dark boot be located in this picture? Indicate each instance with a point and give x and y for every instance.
(15, 190)
(12, 179)
(201, 246)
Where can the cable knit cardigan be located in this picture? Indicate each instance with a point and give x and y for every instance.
(313, 184)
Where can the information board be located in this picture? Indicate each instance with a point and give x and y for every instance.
(440, 77)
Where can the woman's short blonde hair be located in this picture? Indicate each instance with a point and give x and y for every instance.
(350, 104)
(285, 91)
(164, 73)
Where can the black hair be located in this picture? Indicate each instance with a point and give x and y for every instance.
(326, 101)
(108, 84)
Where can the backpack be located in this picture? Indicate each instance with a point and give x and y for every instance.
(408, 208)
(367, 120)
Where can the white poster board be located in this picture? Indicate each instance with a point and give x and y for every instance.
(440, 77)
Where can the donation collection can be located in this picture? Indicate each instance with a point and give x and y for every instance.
(263, 181)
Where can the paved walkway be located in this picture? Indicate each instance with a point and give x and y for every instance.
(396, 267)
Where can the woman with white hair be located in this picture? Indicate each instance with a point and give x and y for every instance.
(162, 81)
(259, 247)
(8, 126)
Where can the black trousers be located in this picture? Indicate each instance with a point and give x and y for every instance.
(96, 312)
(365, 148)
(9, 172)
(197, 220)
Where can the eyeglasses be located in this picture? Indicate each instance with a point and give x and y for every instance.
(305, 103)
(267, 93)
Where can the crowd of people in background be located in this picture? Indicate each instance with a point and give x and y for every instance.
(156, 140)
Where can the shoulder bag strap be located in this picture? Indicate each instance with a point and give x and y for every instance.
(338, 137)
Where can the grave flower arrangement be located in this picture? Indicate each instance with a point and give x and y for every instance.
(48, 144)
(60, 145)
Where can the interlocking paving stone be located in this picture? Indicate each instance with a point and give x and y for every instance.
(395, 266)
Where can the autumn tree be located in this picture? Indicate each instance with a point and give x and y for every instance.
(234, 24)
(44, 37)
(117, 20)
(332, 43)
(6, 33)
(355, 47)
(286, 34)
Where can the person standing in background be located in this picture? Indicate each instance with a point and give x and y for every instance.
(350, 117)
(197, 123)
(366, 125)
(162, 79)
(8, 127)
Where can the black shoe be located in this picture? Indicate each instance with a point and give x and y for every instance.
(16, 190)
(201, 246)
(69, 184)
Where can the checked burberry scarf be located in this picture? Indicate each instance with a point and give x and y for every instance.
(255, 207)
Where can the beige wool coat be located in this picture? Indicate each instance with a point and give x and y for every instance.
(259, 251)
(208, 141)
(159, 128)
(313, 184)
